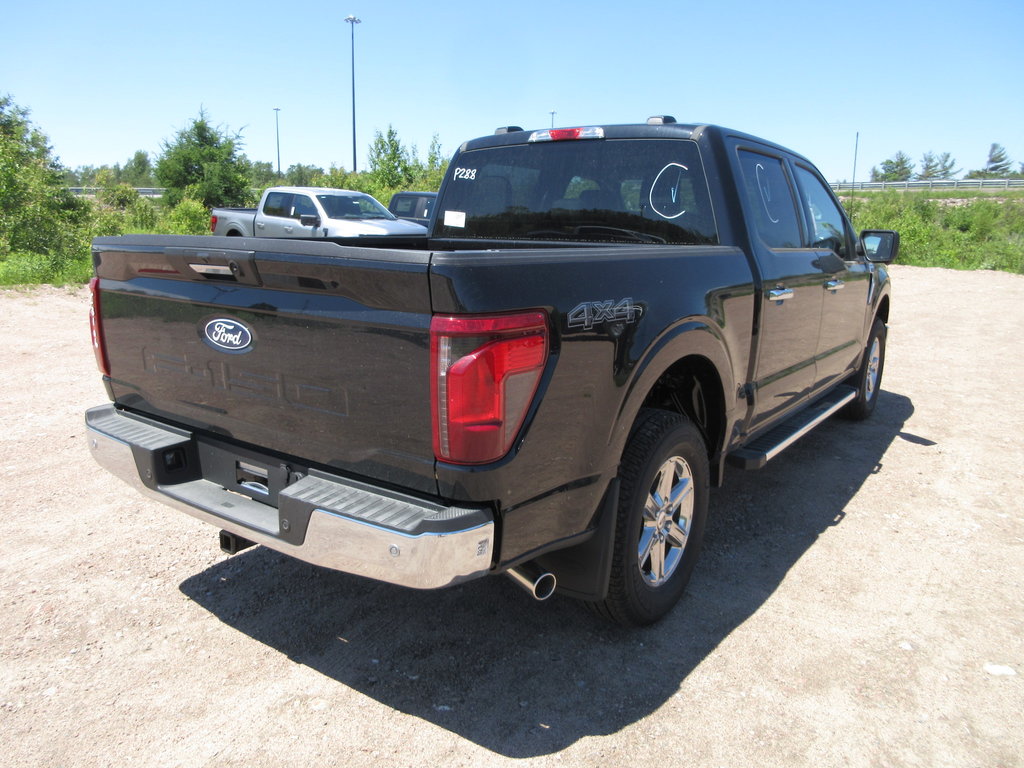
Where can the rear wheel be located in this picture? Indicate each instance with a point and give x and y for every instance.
(662, 509)
(868, 379)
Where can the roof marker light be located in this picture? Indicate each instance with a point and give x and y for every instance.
(567, 134)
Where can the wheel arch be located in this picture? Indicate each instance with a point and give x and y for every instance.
(687, 371)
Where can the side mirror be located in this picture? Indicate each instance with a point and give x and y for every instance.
(880, 245)
(309, 220)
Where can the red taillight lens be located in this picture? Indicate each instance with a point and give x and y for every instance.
(96, 328)
(213, 223)
(485, 371)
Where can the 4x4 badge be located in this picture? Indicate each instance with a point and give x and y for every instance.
(591, 313)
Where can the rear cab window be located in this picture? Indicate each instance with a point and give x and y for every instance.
(606, 190)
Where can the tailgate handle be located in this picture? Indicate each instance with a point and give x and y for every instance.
(215, 270)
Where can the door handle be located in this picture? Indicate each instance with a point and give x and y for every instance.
(780, 294)
(834, 285)
(288, 230)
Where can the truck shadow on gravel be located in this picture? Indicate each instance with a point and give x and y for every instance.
(525, 679)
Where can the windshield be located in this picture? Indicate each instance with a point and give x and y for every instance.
(625, 190)
(353, 206)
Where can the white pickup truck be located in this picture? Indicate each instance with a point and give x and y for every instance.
(307, 212)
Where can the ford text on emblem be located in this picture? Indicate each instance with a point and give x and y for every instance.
(229, 335)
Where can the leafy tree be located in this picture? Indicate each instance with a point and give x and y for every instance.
(997, 166)
(204, 163)
(429, 177)
(299, 175)
(38, 214)
(899, 167)
(390, 161)
(940, 167)
(120, 196)
(137, 172)
(262, 175)
(339, 178)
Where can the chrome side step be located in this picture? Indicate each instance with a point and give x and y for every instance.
(759, 452)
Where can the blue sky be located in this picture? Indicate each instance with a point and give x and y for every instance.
(104, 80)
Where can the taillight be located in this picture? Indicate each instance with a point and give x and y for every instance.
(99, 346)
(213, 223)
(484, 371)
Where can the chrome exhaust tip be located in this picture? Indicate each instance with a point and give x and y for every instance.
(539, 583)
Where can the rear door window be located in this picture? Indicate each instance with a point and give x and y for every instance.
(770, 199)
(601, 190)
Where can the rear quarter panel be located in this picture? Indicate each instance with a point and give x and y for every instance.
(648, 306)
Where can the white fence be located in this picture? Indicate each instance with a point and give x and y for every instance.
(91, 191)
(841, 186)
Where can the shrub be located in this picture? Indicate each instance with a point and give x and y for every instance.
(189, 217)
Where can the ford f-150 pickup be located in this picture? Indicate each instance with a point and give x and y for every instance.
(600, 321)
(311, 212)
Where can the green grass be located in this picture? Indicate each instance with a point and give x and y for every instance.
(961, 231)
(37, 269)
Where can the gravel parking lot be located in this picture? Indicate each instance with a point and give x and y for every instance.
(859, 601)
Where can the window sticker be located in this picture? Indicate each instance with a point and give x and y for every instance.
(465, 173)
(764, 187)
(455, 219)
(666, 194)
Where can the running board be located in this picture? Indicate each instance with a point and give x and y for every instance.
(759, 452)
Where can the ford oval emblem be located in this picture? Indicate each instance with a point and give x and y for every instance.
(229, 335)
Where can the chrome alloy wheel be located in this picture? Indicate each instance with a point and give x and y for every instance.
(668, 512)
(874, 366)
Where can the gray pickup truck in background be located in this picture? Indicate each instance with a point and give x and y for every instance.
(311, 212)
(414, 206)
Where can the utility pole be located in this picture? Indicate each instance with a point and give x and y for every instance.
(353, 21)
(277, 133)
(856, 146)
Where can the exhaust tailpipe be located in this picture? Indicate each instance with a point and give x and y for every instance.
(539, 583)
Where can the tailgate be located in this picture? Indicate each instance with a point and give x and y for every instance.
(307, 349)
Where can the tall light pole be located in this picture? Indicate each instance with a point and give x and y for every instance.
(353, 21)
(277, 133)
(553, 113)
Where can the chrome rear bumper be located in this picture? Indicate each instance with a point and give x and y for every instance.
(348, 526)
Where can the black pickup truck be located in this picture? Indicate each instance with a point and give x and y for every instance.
(545, 385)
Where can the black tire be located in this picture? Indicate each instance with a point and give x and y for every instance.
(868, 380)
(664, 449)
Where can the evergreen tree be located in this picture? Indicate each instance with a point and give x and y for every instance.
(933, 168)
(997, 166)
(899, 167)
(204, 163)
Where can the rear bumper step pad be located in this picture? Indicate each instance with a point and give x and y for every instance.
(352, 526)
